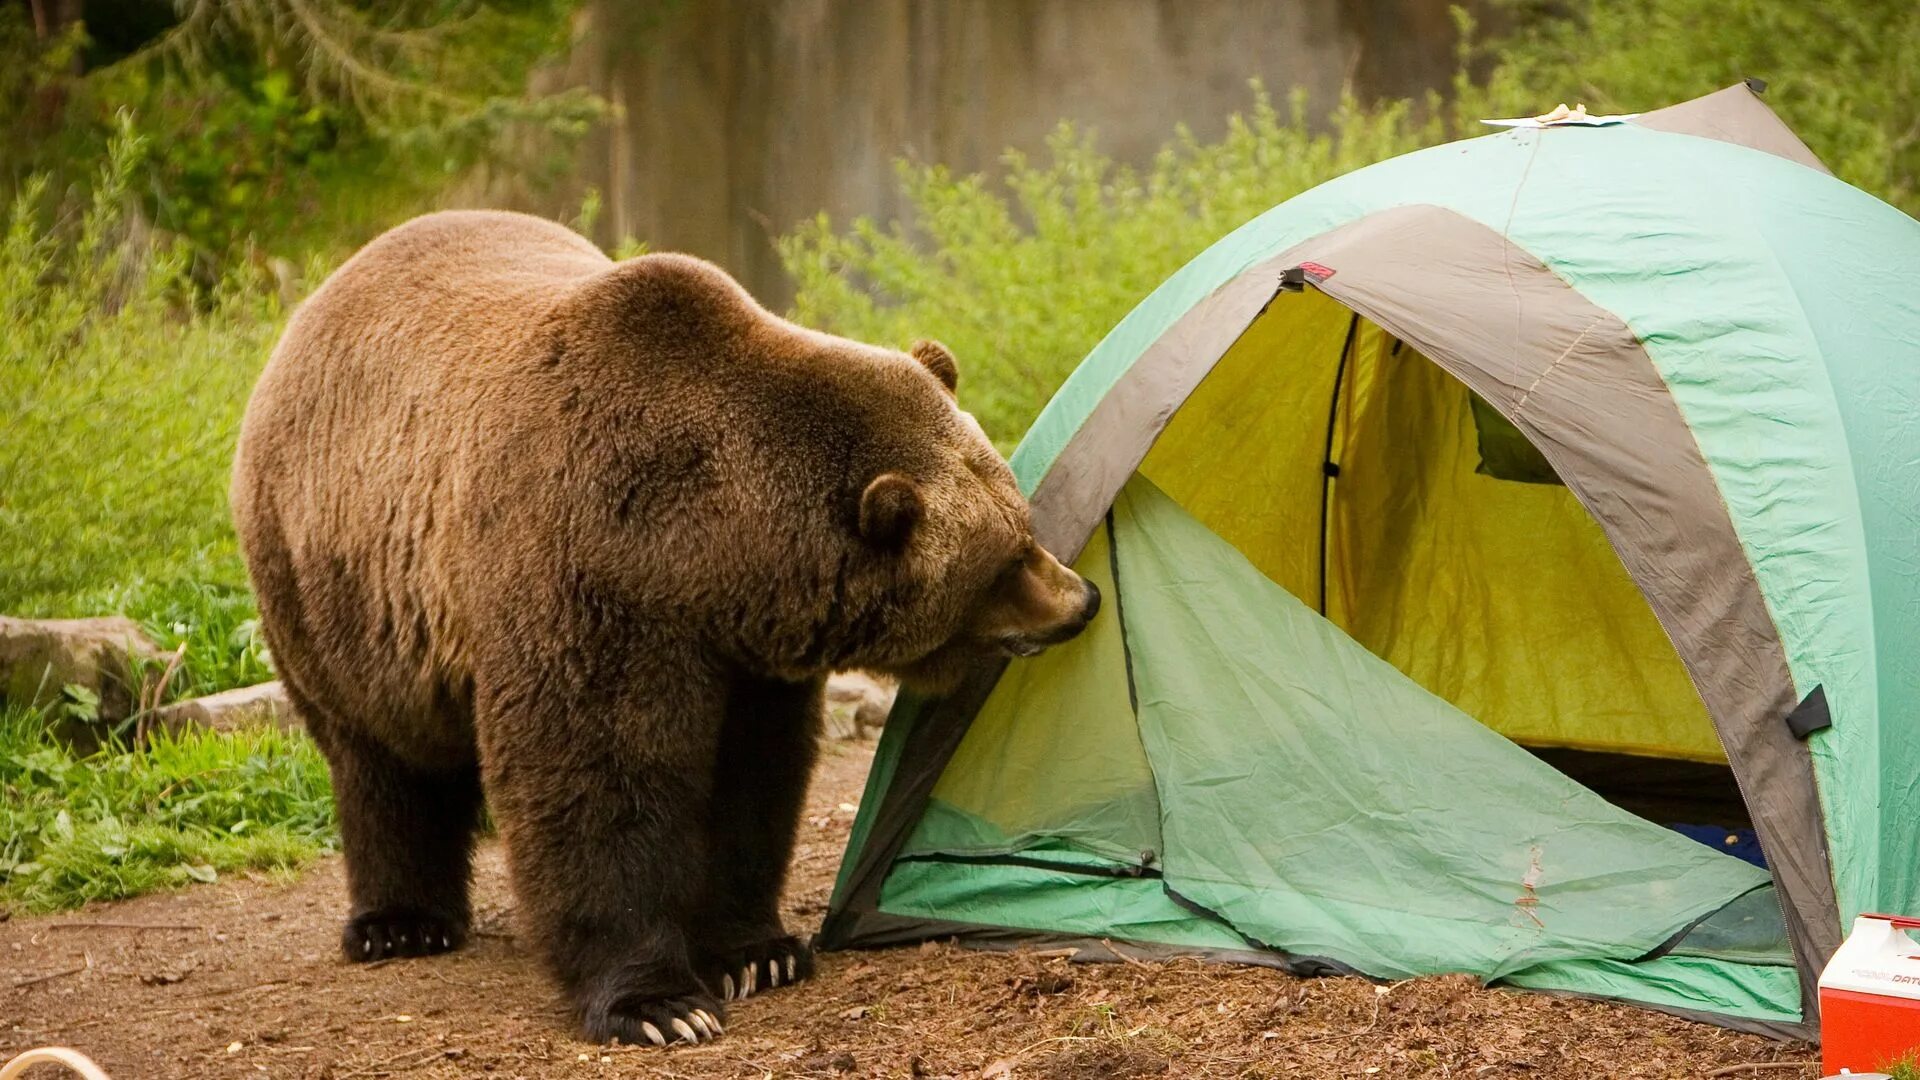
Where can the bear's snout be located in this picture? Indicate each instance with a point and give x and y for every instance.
(1034, 642)
(1090, 607)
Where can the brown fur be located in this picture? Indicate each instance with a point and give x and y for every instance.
(590, 535)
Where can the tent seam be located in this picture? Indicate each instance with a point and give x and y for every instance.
(1527, 394)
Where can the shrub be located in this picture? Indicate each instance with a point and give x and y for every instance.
(290, 125)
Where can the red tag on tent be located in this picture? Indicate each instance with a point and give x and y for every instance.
(1320, 272)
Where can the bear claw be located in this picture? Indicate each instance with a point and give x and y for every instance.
(390, 933)
(660, 1022)
(763, 965)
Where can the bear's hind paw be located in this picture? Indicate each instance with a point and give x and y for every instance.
(389, 933)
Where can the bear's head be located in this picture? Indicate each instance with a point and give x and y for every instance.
(951, 570)
(810, 502)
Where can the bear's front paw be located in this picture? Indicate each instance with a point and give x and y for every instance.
(394, 932)
(637, 1020)
(762, 965)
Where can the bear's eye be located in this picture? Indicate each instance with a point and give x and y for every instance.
(1013, 568)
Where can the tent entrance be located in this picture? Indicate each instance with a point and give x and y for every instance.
(1368, 482)
(1447, 545)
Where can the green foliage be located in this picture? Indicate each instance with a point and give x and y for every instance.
(32, 74)
(78, 703)
(230, 158)
(1021, 279)
(217, 623)
(589, 215)
(124, 402)
(297, 125)
(183, 809)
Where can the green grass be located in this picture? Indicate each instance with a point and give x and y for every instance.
(216, 622)
(123, 822)
(123, 386)
(1907, 1068)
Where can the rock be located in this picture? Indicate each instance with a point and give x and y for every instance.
(40, 658)
(264, 705)
(857, 703)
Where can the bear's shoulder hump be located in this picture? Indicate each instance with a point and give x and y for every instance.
(668, 291)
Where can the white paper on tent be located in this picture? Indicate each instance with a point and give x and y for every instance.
(1561, 116)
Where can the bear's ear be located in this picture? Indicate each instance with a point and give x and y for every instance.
(889, 508)
(938, 360)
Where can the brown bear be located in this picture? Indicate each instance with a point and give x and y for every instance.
(588, 536)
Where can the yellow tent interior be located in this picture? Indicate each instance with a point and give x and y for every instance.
(1503, 597)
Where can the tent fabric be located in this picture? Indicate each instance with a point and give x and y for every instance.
(1716, 346)
(1011, 770)
(1505, 453)
(1324, 804)
(1747, 931)
(1696, 987)
(1735, 115)
(1709, 252)
(1851, 268)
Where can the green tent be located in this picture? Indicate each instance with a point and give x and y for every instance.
(1467, 523)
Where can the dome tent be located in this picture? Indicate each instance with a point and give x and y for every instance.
(1555, 455)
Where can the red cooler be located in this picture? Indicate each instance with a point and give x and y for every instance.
(1870, 997)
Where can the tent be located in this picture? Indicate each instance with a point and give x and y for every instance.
(1481, 531)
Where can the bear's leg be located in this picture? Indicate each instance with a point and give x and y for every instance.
(407, 834)
(602, 804)
(766, 755)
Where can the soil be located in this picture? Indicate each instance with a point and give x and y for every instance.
(241, 978)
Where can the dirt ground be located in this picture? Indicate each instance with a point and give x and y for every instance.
(241, 978)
